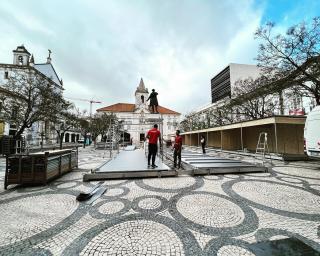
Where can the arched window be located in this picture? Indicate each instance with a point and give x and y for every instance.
(66, 137)
(20, 59)
(142, 98)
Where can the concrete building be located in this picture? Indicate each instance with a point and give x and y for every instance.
(137, 118)
(224, 83)
(23, 63)
(284, 128)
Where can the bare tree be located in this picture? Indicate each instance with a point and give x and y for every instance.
(253, 108)
(100, 124)
(68, 119)
(27, 98)
(218, 116)
(294, 57)
(191, 122)
(221, 115)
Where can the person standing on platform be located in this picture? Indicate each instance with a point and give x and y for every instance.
(177, 147)
(203, 144)
(153, 101)
(153, 135)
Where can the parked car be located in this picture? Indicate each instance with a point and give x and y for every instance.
(312, 133)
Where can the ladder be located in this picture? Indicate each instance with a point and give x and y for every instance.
(262, 147)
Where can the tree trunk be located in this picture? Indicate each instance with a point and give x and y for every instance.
(61, 140)
(84, 141)
(20, 132)
(281, 103)
(317, 97)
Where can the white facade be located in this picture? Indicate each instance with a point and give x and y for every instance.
(245, 71)
(137, 119)
(23, 62)
(242, 72)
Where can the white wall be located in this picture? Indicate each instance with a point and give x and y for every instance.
(243, 71)
(133, 125)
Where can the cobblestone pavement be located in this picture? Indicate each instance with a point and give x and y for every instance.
(208, 215)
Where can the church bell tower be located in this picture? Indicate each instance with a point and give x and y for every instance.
(21, 56)
(141, 95)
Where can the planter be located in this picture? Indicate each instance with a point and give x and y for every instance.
(39, 168)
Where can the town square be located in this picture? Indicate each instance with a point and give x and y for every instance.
(160, 127)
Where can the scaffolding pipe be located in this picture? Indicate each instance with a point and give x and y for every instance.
(276, 137)
(241, 139)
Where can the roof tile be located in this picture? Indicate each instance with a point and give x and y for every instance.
(127, 107)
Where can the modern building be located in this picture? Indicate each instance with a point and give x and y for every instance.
(137, 118)
(223, 83)
(23, 63)
(223, 86)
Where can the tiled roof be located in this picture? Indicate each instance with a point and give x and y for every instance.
(163, 110)
(21, 48)
(119, 107)
(127, 107)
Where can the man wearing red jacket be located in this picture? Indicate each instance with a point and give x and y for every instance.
(177, 149)
(153, 136)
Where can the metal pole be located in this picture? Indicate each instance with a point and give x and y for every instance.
(276, 137)
(241, 140)
(90, 121)
(123, 139)
(221, 140)
(198, 140)
(162, 137)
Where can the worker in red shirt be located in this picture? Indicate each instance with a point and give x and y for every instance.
(177, 146)
(153, 135)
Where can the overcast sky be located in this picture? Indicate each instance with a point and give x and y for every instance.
(101, 49)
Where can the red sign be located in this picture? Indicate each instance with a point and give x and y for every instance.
(296, 112)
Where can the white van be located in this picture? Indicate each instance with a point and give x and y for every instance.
(312, 133)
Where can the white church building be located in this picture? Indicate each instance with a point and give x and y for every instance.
(137, 118)
(24, 63)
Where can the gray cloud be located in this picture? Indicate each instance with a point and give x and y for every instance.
(102, 48)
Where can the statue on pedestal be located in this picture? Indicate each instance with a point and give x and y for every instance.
(153, 101)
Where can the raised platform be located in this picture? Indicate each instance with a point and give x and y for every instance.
(280, 157)
(129, 164)
(200, 164)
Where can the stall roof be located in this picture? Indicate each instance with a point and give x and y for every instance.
(263, 121)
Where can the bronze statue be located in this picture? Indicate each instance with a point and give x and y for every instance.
(153, 101)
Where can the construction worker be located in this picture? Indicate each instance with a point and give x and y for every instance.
(177, 147)
(153, 135)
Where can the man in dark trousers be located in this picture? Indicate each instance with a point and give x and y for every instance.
(203, 144)
(153, 101)
(177, 150)
(153, 135)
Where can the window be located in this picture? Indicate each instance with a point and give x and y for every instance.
(6, 75)
(142, 98)
(14, 112)
(20, 59)
(142, 137)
